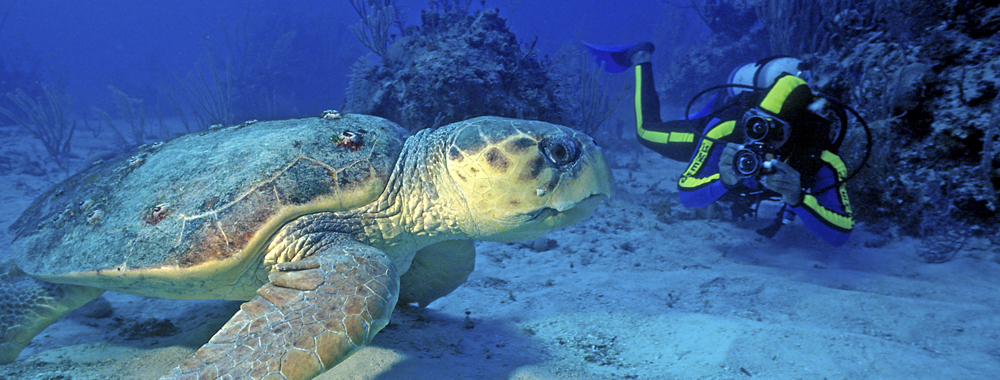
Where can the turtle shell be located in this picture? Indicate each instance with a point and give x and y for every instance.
(201, 199)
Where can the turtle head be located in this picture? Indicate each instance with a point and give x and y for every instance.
(517, 179)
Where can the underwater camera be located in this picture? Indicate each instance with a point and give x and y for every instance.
(764, 134)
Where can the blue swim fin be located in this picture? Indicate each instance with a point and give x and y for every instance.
(617, 58)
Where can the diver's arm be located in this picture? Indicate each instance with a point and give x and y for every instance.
(703, 196)
(785, 181)
(701, 183)
(828, 214)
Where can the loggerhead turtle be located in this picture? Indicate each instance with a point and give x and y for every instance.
(320, 224)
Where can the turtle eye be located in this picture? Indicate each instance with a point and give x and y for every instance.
(560, 150)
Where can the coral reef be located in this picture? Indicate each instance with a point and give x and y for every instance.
(455, 66)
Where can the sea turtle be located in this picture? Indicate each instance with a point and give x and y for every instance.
(321, 224)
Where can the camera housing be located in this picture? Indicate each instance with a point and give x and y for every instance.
(751, 160)
(764, 134)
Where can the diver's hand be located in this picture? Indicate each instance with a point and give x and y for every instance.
(784, 181)
(726, 171)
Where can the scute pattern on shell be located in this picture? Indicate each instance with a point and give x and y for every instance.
(222, 186)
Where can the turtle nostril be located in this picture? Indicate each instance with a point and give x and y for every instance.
(560, 150)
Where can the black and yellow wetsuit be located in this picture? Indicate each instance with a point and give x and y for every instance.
(825, 208)
(674, 139)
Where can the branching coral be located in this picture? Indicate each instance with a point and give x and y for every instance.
(584, 93)
(211, 98)
(377, 17)
(131, 111)
(45, 119)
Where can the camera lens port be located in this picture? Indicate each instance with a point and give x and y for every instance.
(746, 162)
(757, 128)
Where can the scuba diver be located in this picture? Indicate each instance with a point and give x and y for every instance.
(771, 138)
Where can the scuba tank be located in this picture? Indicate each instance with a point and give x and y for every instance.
(765, 72)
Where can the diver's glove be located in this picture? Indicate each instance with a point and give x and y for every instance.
(784, 181)
(727, 173)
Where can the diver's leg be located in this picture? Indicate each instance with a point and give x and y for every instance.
(29, 305)
(673, 139)
(647, 101)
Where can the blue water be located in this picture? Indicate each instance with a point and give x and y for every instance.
(139, 47)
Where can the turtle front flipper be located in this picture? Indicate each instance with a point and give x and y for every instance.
(311, 315)
(29, 305)
(437, 270)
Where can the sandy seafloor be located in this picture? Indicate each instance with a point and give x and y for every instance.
(632, 292)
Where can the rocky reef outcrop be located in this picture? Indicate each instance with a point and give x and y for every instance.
(454, 66)
(925, 75)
